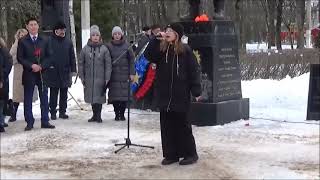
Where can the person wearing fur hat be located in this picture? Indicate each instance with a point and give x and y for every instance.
(94, 71)
(122, 58)
(178, 76)
(58, 77)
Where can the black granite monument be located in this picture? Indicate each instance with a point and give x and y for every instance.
(53, 11)
(313, 111)
(215, 42)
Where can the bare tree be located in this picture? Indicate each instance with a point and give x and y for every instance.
(72, 28)
(3, 19)
(288, 18)
(300, 18)
(271, 6)
(279, 22)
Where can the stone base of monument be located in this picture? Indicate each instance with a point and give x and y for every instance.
(210, 114)
(313, 110)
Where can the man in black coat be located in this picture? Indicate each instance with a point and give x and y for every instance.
(33, 53)
(59, 75)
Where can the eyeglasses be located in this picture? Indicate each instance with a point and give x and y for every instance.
(169, 30)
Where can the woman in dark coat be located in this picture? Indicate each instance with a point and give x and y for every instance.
(122, 57)
(94, 71)
(6, 65)
(1, 95)
(178, 75)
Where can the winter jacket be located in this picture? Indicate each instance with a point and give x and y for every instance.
(6, 64)
(144, 39)
(1, 76)
(26, 56)
(17, 88)
(121, 55)
(94, 71)
(177, 76)
(63, 63)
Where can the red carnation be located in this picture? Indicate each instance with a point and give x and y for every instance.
(37, 52)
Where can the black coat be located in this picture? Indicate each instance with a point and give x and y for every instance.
(177, 76)
(62, 64)
(118, 84)
(1, 76)
(26, 57)
(143, 40)
(6, 65)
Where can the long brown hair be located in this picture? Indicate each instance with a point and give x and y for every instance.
(178, 45)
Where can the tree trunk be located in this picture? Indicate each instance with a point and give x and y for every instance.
(148, 13)
(300, 17)
(309, 24)
(278, 25)
(72, 28)
(271, 6)
(238, 22)
(3, 19)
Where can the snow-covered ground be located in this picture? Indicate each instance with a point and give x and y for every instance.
(263, 47)
(268, 148)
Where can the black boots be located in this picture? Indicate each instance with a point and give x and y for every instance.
(184, 161)
(189, 160)
(119, 109)
(167, 161)
(14, 112)
(63, 116)
(119, 117)
(96, 117)
(53, 116)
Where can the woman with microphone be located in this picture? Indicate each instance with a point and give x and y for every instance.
(178, 75)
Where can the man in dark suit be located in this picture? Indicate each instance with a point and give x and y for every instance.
(33, 53)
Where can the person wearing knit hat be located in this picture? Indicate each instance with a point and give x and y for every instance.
(117, 29)
(174, 89)
(122, 58)
(94, 69)
(177, 27)
(94, 30)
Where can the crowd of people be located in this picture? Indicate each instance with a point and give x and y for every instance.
(50, 63)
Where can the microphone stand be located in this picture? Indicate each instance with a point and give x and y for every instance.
(127, 142)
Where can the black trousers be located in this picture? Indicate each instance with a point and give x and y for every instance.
(62, 100)
(119, 107)
(176, 135)
(96, 109)
(15, 109)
